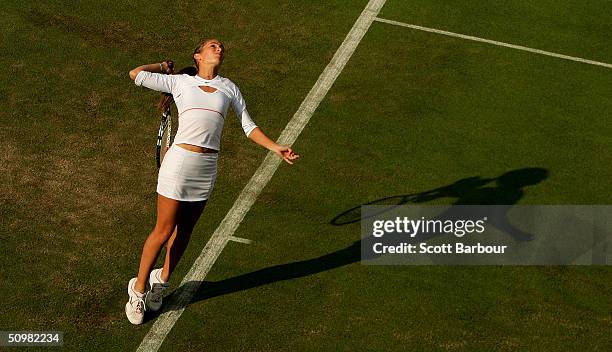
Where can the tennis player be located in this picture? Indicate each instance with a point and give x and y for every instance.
(189, 169)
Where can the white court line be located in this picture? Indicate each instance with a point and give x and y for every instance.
(240, 239)
(191, 283)
(518, 47)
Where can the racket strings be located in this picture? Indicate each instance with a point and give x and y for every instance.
(169, 127)
(164, 136)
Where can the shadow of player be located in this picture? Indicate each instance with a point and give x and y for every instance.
(503, 191)
(506, 189)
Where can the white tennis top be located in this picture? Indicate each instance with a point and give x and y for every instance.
(201, 114)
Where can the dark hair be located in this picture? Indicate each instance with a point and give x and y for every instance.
(166, 99)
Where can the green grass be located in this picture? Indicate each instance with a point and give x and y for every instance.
(576, 28)
(412, 111)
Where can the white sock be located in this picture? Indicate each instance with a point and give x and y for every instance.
(138, 294)
(158, 277)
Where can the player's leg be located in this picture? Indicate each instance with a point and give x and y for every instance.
(167, 215)
(188, 217)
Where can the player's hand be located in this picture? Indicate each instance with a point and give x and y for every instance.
(168, 67)
(285, 152)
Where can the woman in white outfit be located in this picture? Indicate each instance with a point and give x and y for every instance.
(188, 172)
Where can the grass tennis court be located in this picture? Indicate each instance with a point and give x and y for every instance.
(412, 111)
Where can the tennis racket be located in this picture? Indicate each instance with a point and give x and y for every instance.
(164, 137)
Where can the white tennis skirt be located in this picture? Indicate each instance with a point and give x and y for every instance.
(187, 176)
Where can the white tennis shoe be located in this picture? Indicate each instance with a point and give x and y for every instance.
(153, 300)
(135, 307)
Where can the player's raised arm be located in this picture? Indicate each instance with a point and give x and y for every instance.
(161, 67)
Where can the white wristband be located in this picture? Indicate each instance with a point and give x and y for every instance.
(161, 68)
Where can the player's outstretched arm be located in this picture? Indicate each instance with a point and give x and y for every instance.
(284, 151)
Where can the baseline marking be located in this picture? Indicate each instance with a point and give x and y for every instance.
(200, 268)
(518, 47)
